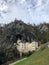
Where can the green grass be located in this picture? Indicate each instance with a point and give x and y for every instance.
(38, 58)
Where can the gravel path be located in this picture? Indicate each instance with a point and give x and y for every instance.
(17, 61)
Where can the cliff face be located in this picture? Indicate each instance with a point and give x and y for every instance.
(9, 34)
(44, 32)
(17, 29)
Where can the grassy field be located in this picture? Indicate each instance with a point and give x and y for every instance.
(38, 58)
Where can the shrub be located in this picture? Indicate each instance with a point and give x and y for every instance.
(42, 46)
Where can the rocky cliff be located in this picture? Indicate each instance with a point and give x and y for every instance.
(10, 33)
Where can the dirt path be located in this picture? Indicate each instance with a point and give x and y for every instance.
(17, 61)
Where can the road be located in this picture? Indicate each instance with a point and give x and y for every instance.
(17, 61)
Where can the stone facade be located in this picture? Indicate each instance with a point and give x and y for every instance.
(26, 47)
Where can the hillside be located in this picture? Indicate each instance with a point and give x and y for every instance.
(38, 58)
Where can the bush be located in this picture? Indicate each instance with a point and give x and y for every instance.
(42, 46)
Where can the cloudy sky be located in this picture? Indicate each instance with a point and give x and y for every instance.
(33, 11)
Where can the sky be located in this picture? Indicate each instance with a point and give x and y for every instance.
(29, 11)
